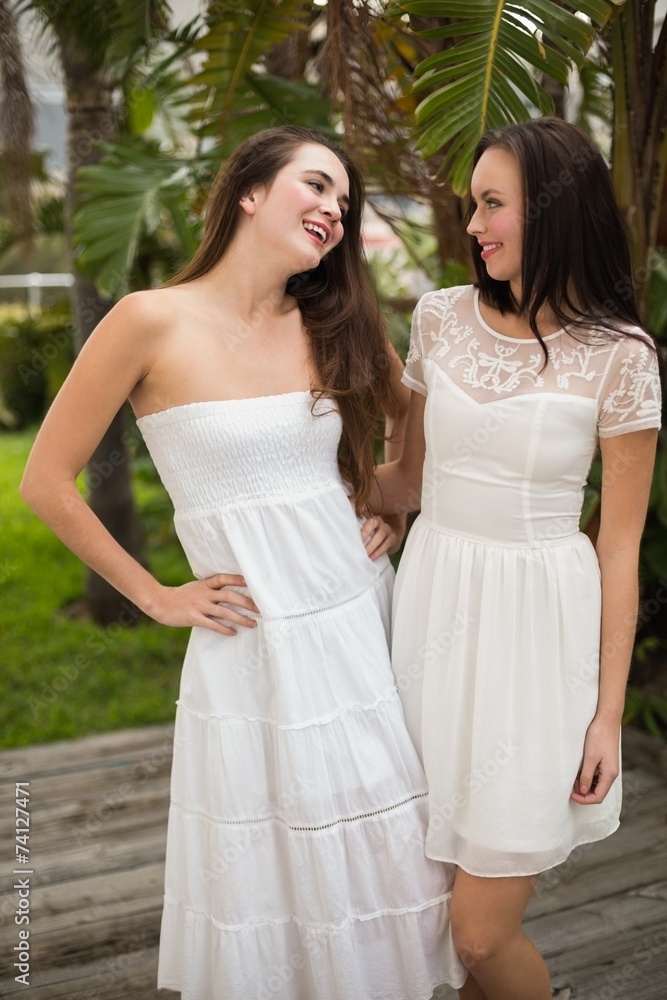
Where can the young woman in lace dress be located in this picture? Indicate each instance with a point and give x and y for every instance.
(295, 855)
(512, 633)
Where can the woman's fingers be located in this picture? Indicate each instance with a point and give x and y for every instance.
(378, 537)
(592, 783)
(214, 626)
(209, 603)
(219, 580)
(600, 764)
(219, 584)
(218, 609)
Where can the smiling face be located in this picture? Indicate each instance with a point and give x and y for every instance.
(496, 223)
(302, 210)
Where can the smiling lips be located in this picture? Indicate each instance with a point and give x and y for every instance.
(488, 249)
(317, 230)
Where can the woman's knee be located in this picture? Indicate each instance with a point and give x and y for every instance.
(475, 943)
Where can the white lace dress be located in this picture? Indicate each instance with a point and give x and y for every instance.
(497, 604)
(295, 853)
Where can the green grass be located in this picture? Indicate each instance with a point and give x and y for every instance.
(63, 677)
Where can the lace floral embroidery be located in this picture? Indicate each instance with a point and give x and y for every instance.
(499, 373)
(621, 375)
(414, 354)
(574, 362)
(637, 394)
(447, 330)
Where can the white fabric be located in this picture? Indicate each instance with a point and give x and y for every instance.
(295, 854)
(497, 602)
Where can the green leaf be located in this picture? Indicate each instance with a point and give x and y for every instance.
(140, 103)
(236, 39)
(487, 78)
(126, 196)
(657, 298)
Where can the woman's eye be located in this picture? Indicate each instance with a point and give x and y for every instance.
(492, 203)
(317, 185)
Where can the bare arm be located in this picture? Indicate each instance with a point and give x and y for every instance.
(627, 466)
(399, 481)
(384, 532)
(115, 358)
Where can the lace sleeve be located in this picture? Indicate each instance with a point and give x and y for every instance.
(413, 376)
(630, 398)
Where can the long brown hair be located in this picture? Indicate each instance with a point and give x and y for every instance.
(574, 241)
(339, 307)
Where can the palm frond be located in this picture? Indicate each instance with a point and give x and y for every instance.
(236, 39)
(137, 24)
(367, 64)
(128, 195)
(485, 75)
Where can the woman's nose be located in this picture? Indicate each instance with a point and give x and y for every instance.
(332, 210)
(474, 226)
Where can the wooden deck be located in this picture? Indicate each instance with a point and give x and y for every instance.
(98, 811)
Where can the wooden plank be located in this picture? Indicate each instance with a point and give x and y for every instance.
(643, 946)
(51, 758)
(571, 928)
(644, 751)
(97, 890)
(112, 929)
(587, 880)
(129, 975)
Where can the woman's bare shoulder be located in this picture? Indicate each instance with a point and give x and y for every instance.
(144, 321)
(152, 306)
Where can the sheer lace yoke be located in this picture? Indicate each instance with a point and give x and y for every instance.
(620, 374)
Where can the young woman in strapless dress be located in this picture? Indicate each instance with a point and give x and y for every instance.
(295, 856)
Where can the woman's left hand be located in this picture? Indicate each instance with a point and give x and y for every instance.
(380, 537)
(600, 764)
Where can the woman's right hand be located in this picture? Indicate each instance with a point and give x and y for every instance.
(201, 602)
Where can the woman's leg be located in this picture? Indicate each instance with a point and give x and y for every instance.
(486, 916)
(471, 990)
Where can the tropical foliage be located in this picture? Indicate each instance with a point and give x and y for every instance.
(484, 74)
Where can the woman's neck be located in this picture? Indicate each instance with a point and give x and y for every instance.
(250, 286)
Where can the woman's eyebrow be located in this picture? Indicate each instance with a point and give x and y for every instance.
(325, 177)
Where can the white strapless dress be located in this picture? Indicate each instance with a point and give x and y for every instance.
(295, 855)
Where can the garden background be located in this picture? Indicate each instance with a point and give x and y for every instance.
(156, 96)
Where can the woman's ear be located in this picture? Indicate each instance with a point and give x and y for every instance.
(247, 203)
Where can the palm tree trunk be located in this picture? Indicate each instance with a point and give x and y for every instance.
(91, 119)
(17, 126)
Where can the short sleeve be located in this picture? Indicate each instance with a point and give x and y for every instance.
(630, 399)
(413, 376)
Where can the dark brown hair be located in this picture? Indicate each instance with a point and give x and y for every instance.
(339, 308)
(575, 254)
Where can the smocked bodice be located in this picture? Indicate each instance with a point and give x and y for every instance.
(257, 490)
(238, 451)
